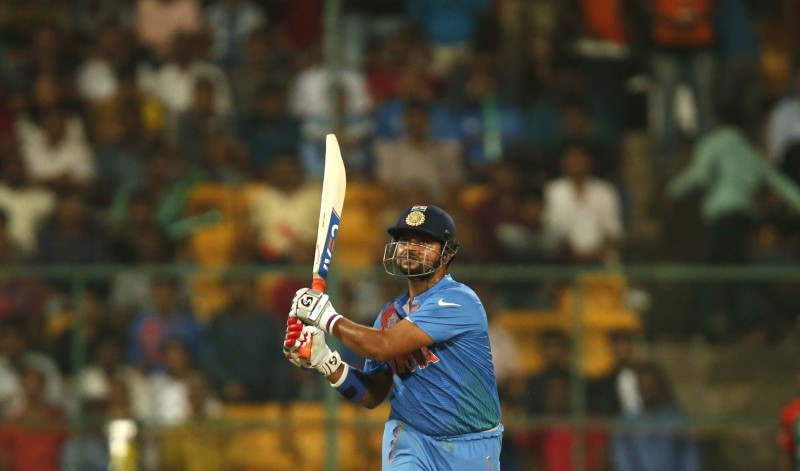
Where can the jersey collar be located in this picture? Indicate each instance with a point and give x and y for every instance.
(401, 301)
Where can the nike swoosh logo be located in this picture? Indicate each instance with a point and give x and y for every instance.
(444, 303)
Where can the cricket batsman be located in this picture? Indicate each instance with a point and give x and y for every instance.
(428, 351)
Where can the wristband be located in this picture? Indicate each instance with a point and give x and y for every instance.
(352, 384)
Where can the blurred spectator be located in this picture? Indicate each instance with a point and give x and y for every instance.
(56, 151)
(88, 18)
(555, 349)
(607, 37)
(553, 444)
(49, 52)
(167, 320)
(171, 389)
(659, 438)
(106, 365)
(511, 228)
(199, 124)
(231, 23)
(491, 127)
(311, 102)
(26, 206)
(282, 214)
(301, 20)
(167, 183)
(31, 439)
(787, 431)
(86, 321)
(130, 290)
(415, 159)
(740, 73)
(15, 359)
(269, 130)
(582, 212)
(732, 172)
(783, 127)
(367, 23)
(122, 161)
(71, 236)
(131, 110)
(579, 128)
(158, 22)
(173, 83)
(682, 38)
(227, 161)
(383, 64)
(449, 27)
(245, 357)
(86, 449)
(198, 443)
(266, 63)
(114, 53)
(617, 392)
(413, 84)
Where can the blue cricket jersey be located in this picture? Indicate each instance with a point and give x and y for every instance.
(447, 388)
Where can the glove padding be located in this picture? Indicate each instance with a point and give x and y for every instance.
(299, 335)
(314, 308)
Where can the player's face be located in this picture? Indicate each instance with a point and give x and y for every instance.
(416, 254)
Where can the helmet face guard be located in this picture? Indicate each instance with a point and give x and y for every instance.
(421, 264)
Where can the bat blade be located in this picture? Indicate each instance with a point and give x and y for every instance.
(334, 184)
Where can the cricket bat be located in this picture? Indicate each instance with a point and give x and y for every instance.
(334, 183)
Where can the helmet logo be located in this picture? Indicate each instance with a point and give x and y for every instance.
(415, 218)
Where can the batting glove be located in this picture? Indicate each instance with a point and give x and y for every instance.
(299, 335)
(314, 308)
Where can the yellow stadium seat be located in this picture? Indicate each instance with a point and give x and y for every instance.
(259, 441)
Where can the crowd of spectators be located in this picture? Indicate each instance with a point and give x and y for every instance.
(112, 113)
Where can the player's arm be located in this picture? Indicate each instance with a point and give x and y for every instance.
(314, 308)
(381, 345)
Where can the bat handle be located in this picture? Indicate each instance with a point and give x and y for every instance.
(304, 352)
(318, 284)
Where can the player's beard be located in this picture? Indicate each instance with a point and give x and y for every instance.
(419, 266)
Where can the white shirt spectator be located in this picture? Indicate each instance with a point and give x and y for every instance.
(584, 220)
(310, 97)
(71, 157)
(96, 80)
(173, 85)
(170, 400)
(12, 396)
(27, 207)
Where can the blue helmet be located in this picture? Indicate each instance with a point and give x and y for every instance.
(429, 220)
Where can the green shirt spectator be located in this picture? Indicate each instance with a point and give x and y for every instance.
(732, 171)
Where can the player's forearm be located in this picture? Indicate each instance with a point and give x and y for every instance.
(375, 388)
(365, 341)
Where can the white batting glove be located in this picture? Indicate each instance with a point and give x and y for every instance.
(314, 308)
(298, 336)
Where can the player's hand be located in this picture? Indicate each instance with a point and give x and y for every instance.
(314, 308)
(295, 339)
(299, 335)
